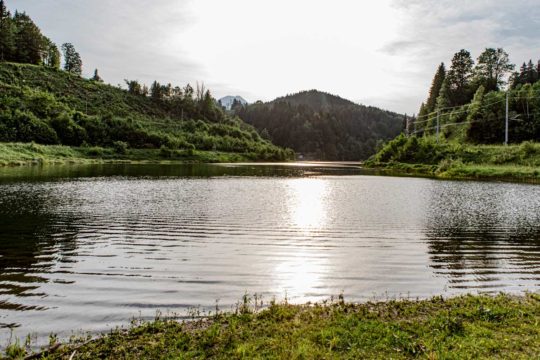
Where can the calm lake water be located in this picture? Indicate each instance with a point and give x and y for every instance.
(89, 247)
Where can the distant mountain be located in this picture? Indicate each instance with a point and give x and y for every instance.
(323, 126)
(227, 101)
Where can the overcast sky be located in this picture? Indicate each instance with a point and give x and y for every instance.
(382, 53)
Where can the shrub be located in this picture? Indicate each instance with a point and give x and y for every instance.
(120, 147)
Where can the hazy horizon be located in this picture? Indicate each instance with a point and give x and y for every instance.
(381, 54)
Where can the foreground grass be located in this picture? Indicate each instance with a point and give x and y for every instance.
(30, 153)
(424, 156)
(456, 328)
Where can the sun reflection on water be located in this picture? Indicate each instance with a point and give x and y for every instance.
(300, 273)
(307, 203)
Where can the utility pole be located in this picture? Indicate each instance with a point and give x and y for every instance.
(438, 126)
(506, 123)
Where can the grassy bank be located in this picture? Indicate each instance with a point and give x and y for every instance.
(455, 328)
(447, 159)
(12, 154)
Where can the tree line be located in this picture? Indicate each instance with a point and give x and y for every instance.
(469, 99)
(21, 41)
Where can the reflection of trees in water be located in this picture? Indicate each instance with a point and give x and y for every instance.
(478, 233)
(33, 240)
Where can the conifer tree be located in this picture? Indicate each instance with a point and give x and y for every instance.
(435, 88)
(96, 76)
(443, 100)
(30, 44)
(7, 40)
(459, 78)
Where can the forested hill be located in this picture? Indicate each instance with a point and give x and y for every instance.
(317, 100)
(322, 126)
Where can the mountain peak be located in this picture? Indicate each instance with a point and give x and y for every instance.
(227, 101)
(315, 99)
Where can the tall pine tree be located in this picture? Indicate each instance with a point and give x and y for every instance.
(436, 84)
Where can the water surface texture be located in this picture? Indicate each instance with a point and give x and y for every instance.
(87, 248)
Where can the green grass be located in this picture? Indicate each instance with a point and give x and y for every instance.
(12, 154)
(449, 159)
(464, 327)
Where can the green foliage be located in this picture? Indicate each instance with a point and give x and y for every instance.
(491, 69)
(50, 107)
(481, 118)
(459, 77)
(72, 59)
(423, 155)
(120, 147)
(436, 85)
(322, 126)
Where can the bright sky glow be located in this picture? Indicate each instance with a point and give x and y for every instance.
(382, 53)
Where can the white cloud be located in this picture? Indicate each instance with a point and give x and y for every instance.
(381, 53)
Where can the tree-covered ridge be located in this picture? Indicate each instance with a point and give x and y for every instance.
(322, 126)
(468, 101)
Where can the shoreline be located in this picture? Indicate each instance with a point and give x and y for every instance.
(479, 326)
(31, 154)
(486, 172)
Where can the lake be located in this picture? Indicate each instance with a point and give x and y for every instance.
(90, 247)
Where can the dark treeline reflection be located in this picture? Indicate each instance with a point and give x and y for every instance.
(40, 173)
(34, 238)
(490, 236)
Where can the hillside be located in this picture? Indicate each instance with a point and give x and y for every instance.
(51, 106)
(322, 126)
(478, 127)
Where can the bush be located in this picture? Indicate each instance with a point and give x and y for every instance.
(120, 147)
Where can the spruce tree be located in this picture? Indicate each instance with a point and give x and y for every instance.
(435, 88)
(443, 100)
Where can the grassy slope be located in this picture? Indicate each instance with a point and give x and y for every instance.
(457, 160)
(29, 154)
(457, 328)
(61, 90)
